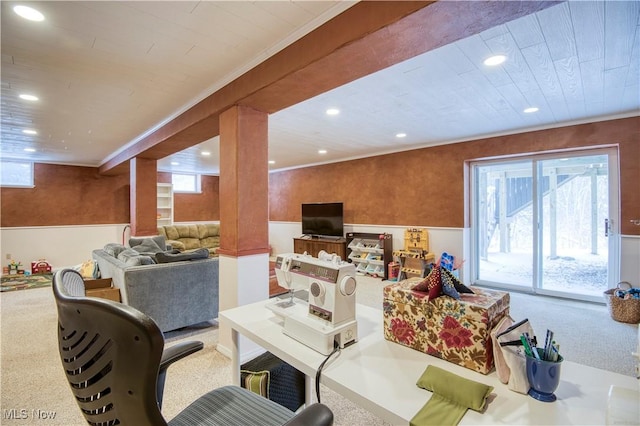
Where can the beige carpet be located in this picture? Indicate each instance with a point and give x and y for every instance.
(32, 379)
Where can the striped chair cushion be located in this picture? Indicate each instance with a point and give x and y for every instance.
(232, 406)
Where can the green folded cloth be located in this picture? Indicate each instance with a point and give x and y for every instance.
(452, 396)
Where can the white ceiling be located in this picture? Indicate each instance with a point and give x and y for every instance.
(108, 72)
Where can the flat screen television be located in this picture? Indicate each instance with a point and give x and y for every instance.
(322, 219)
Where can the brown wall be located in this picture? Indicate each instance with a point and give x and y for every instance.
(425, 187)
(71, 195)
(201, 207)
(67, 195)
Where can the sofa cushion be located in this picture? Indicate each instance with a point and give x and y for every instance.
(202, 253)
(114, 249)
(185, 234)
(149, 246)
(210, 242)
(187, 231)
(190, 243)
(132, 258)
(171, 232)
(177, 245)
(208, 230)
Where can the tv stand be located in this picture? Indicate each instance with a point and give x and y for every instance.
(313, 244)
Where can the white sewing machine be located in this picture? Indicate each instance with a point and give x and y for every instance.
(328, 318)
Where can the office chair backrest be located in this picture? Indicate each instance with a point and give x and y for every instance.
(71, 281)
(111, 355)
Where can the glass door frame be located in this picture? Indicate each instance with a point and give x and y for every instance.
(613, 240)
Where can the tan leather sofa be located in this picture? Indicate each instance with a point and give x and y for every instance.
(192, 237)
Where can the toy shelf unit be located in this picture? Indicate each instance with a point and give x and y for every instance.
(371, 253)
(165, 204)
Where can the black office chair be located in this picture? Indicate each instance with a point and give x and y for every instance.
(113, 355)
(72, 282)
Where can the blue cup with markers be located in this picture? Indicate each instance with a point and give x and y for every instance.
(543, 376)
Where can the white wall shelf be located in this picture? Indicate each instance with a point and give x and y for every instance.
(165, 204)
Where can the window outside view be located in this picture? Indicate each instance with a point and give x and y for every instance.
(16, 173)
(573, 208)
(185, 182)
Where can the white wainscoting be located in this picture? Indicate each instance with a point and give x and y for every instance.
(65, 246)
(61, 246)
(630, 259)
(451, 240)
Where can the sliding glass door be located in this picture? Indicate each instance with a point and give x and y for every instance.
(505, 252)
(546, 223)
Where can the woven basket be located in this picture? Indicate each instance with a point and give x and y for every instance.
(623, 310)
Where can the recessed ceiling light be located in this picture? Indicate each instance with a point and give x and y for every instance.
(530, 110)
(322, 151)
(29, 132)
(29, 13)
(333, 111)
(495, 60)
(401, 135)
(29, 150)
(206, 153)
(272, 162)
(175, 163)
(28, 97)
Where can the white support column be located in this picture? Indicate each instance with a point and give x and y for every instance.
(243, 280)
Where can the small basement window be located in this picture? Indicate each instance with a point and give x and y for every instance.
(186, 182)
(17, 174)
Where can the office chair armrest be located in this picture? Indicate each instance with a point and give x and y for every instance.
(313, 415)
(177, 352)
(169, 356)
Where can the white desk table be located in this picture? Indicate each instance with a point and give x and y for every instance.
(380, 376)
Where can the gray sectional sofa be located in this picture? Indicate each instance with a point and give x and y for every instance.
(175, 294)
